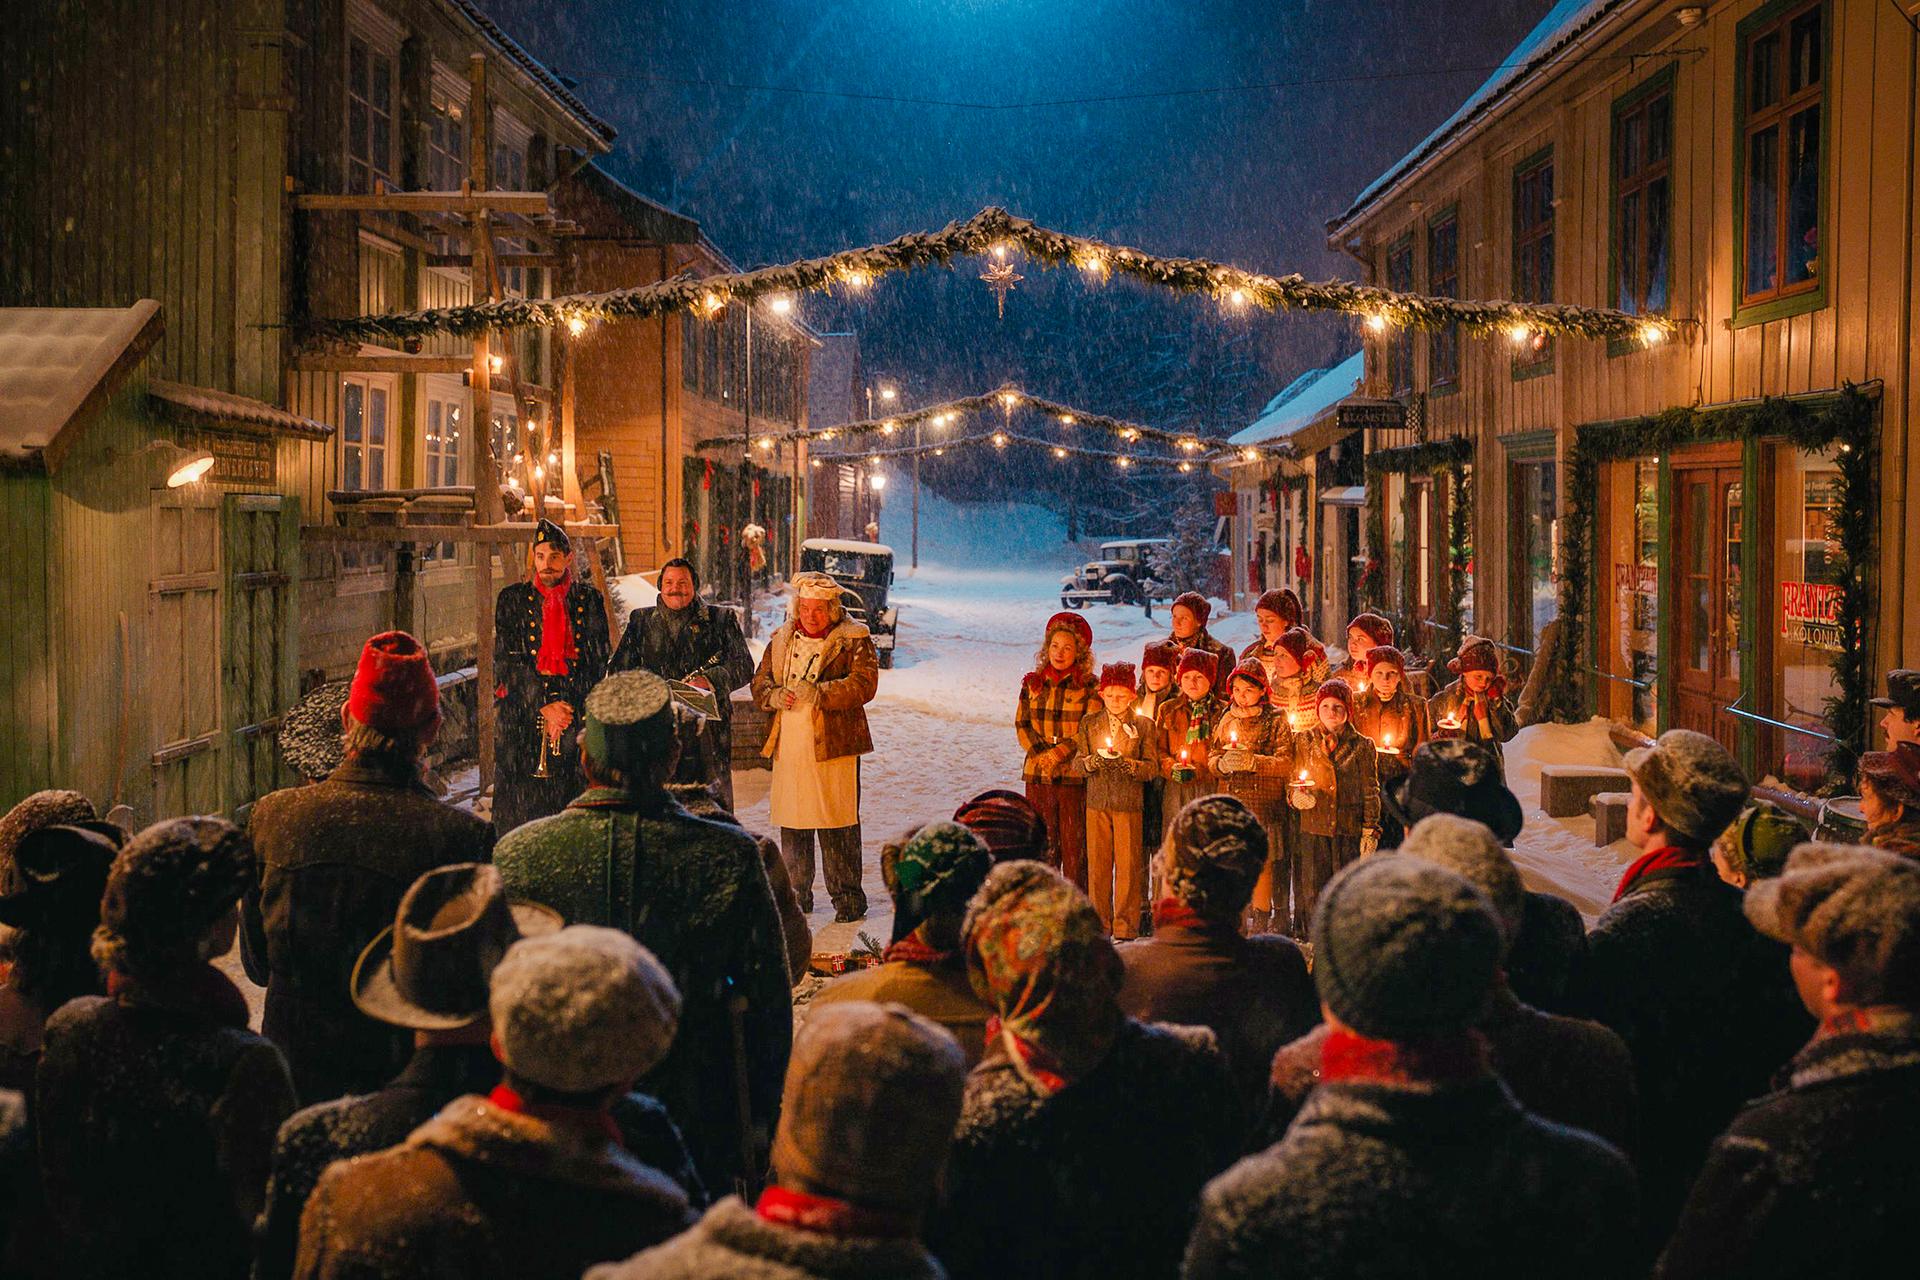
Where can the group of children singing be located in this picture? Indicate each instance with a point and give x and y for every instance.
(1310, 750)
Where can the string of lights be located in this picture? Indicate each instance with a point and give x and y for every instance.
(1004, 439)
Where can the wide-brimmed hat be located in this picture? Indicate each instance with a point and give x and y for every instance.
(1452, 775)
(429, 970)
(312, 742)
(59, 873)
(41, 809)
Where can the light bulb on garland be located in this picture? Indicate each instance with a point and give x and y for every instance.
(780, 304)
(1249, 455)
(999, 439)
(1519, 333)
(1123, 463)
(766, 442)
(1186, 466)
(1066, 419)
(889, 427)
(1652, 335)
(1008, 399)
(1059, 453)
(576, 325)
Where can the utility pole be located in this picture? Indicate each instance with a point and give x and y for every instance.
(746, 478)
(916, 495)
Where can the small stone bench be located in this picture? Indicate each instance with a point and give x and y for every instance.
(1609, 810)
(1566, 788)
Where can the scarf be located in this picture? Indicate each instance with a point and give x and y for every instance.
(1171, 913)
(1665, 858)
(1879, 1020)
(913, 949)
(825, 1215)
(202, 990)
(587, 1121)
(1455, 1059)
(557, 650)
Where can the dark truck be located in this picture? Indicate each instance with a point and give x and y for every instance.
(864, 571)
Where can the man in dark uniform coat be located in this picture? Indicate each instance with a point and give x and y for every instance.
(684, 638)
(550, 644)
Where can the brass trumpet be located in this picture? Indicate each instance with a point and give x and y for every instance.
(547, 748)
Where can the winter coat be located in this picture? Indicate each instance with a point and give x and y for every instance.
(22, 1031)
(695, 894)
(1401, 722)
(700, 640)
(1567, 1070)
(798, 935)
(1114, 786)
(1048, 715)
(1265, 734)
(479, 1192)
(1819, 1179)
(1452, 700)
(1098, 1180)
(520, 690)
(335, 858)
(156, 1127)
(312, 1139)
(1252, 993)
(848, 677)
(732, 1242)
(1292, 696)
(1453, 1180)
(1547, 963)
(1203, 639)
(1901, 837)
(1346, 781)
(1707, 1008)
(940, 992)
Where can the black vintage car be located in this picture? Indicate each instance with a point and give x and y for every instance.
(864, 571)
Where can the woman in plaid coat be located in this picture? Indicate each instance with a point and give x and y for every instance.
(1054, 698)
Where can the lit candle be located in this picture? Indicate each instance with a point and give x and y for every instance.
(1450, 723)
(1183, 755)
(1360, 687)
(1233, 735)
(1387, 748)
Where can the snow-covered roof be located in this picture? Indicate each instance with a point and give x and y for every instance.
(1305, 399)
(224, 408)
(58, 364)
(846, 547)
(553, 85)
(1564, 23)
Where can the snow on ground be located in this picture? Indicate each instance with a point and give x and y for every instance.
(1557, 855)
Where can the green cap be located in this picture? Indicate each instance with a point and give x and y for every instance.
(619, 712)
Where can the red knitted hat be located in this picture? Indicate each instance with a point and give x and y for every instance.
(1006, 823)
(1476, 654)
(393, 688)
(1385, 655)
(1299, 642)
(1252, 672)
(1282, 603)
(1196, 604)
(1337, 689)
(1160, 655)
(1119, 674)
(1207, 664)
(1374, 627)
(1072, 622)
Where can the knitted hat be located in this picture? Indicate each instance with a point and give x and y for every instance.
(1159, 654)
(41, 809)
(1214, 852)
(937, 869)
(1282, 603)
(429, 970)
(1404, 950)
(1336, 689)
(1856, 910)
(1758, 842)
(1691, 781)
(1071, 621)
(1196, 604)
(1007, 823)
(311, 741)
(870, 1105)
(1895, 775)
(1468, 848)
(1374, 627)
(393, 691)
(1452, 775)
(61, 871)
(168, 887)
(1385, 655)
(1253, 673)
(1200, 661)
(553, 535)
(1120, 675)
(1476, 654)
(1903, 691)
(1300, 644)
(582, 1009)
(628, 721)
(814, 586)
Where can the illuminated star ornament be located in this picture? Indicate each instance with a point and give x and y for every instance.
(1001, 277)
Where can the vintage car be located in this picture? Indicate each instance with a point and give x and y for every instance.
(864, 571)
(1120, 576)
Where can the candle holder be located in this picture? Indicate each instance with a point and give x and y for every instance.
(1300, 792)
(1447, 726)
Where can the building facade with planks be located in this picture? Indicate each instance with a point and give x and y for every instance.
(1746, 165)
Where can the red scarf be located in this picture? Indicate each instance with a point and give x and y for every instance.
(203, 989)
(557, 650)
(1171, 913)
(1666, 858)
(912, 949)
(1036, 1064)
(830, 1217)
(1455, 1059)
(584, 1120)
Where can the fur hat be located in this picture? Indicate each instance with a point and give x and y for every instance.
(1476, 654)
(1159, 654)
(1856, 910)
(1301, 646)
(1758, 842)
(1120, 675)
(41, 809)
(1200, 661)
(628, 721)
(552, 535)
(1374, 627)
(1282, 603)
(1007, 823)
(166, 889)
(936, 869)
(1895, 775)
(1386, 655)
(1405, 950)
(1338, 690)
(1452, 775)
(394, 692)
(62, 871)
(1214, 852)
(582, 1009)
(1691, 781)
(814, 586)
(1253, 673)
(870, 1105)
(311, 740)
(1068, 620)
(1194, 603)
(1469, 849)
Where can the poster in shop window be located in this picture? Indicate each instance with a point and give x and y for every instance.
(1810, 615)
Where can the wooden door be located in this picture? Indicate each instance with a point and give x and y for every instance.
(1706, 589)
(184, 676)
(260, 535)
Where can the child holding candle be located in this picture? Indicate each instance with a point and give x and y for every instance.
(1299, 667)
(1335, 791)
(1276, 612)
(1395, 720)
(1251, 754)
(1475, 707)
(1117, 752)
(1186, 730)
(1054, 698)
(1364, 634)
(1157, 692)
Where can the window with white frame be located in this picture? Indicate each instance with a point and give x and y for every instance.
(373, 92)
(448, 445)
(446, 133)
(366, 409)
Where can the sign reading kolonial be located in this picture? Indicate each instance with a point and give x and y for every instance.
(1810, 614)
(238, 457)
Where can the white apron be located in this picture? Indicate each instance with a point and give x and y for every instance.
(809, 793)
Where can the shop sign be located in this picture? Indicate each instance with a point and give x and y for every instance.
(1810, 614)
(238, 457)
(1372, 415)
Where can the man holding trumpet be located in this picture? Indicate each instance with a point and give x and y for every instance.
(550, 647)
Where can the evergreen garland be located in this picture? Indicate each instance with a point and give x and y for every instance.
(1846, 420)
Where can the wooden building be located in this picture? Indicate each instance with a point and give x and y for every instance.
(1744, 165)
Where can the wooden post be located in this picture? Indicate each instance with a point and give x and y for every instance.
(486, 476)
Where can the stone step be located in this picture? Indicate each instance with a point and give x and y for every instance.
(1566, 788)
(1609, 810)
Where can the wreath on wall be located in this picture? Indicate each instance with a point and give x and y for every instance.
(1843, 421)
